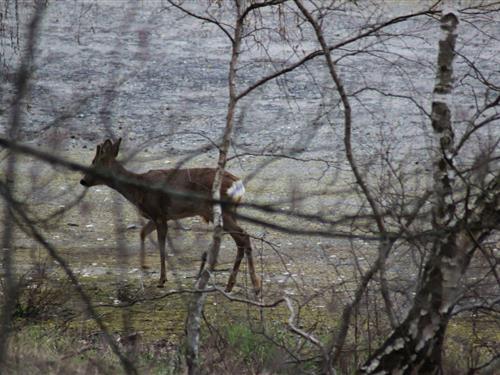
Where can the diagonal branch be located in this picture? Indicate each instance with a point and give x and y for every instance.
(127, 365)
(197, 16)
(370, 32)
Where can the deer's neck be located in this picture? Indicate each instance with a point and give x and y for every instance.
(125, 182)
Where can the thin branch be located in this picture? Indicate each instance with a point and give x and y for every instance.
(343, 43)
(197, 16)
(127, 365)
(308, 336)
(258, 5)
(53, 159)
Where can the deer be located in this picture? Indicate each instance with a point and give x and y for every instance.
(160, 205)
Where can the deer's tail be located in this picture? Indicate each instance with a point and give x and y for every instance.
(236, 191)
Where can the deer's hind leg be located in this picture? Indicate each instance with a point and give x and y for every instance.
(161, 229)
(145, 231)
(204, 257)
(244, 246)
(207, 218)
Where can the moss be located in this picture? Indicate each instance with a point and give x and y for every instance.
(471, 340)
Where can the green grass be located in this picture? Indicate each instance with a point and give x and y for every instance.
(53, 333)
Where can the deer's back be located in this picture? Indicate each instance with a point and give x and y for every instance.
(198, 181)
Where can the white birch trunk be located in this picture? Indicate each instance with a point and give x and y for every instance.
(415, 345)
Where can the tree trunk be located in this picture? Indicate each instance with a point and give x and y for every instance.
(193, 322)
(416, 345)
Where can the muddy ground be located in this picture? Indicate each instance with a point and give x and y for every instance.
(158, 79)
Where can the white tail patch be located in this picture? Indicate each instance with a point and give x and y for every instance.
(236, 191)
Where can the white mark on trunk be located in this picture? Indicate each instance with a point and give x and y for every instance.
(413, 329)
(427, 334)
(372, 366)
(398, 344)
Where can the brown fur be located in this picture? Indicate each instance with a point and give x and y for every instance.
(159, 207)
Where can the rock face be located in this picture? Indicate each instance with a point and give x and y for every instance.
(143, 72)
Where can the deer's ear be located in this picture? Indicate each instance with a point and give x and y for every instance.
(116, 146)
(98, 150)
(107, 147)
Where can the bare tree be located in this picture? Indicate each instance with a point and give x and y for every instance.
(417, 343)
(372, 173)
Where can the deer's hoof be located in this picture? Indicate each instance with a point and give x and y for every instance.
(161, 283)
(258, 287)
(229, 288)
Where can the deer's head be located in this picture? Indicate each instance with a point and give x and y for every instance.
(104, 158)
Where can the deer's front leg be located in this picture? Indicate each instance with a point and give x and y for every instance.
(161, 229)
(145, 231)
